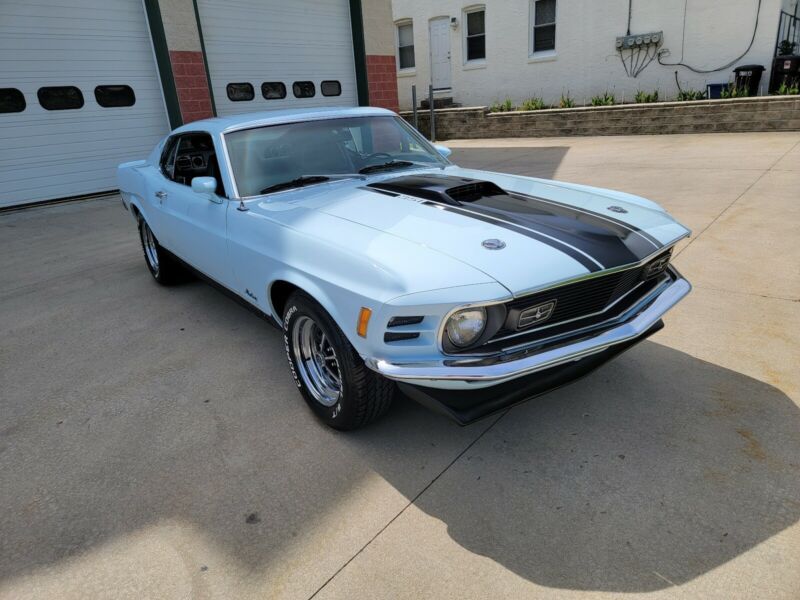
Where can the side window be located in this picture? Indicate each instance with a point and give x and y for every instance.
(331, 88)
(303, 89)
(543, 32)
(114, 96)
(168, 157)
(273, 90)
(240, 92)
(11, 100)
(405, 45)
(65, 97)
(192, 155)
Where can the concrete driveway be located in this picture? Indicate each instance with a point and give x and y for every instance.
(152, 444)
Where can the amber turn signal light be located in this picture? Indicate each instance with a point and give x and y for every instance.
(363, 321)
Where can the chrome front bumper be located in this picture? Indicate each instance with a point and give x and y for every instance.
(454, 374)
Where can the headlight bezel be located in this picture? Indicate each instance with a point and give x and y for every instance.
(495, 318)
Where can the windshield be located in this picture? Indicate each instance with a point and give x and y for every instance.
(264, 157)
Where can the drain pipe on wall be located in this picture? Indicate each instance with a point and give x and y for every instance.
(433, 115)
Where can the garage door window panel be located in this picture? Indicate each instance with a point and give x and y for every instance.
(331, 88)
(240, 92)
(304, 89)
(273, 90)
(11, 100)
(114, 96)
(66, 97)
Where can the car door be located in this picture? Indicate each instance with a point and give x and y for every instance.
(194, 225)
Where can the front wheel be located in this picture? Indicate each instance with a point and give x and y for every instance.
(334, 381)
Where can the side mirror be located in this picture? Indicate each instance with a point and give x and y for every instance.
(206, 186)
(443, 150)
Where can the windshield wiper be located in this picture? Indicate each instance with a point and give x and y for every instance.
(392, 164)
(305, 180)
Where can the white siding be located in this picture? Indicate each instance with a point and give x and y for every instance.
(585, 61)
(272, 40)
(52, 154)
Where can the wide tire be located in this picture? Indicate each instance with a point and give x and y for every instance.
(334, 381)
(162, 266)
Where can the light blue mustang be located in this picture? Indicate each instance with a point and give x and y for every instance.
(383, 262)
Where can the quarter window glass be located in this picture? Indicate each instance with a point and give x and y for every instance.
(544, 25)
(303, 89)
(273, 90)
(331, 88)
(65, 97)
(476, 35)
(113, 96)
(240, 92)
(11, 100)
(405, 46)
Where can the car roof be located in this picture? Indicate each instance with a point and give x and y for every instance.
(277, 117)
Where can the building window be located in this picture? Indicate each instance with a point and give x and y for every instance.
(11, 100)
(66, 97)
(303, 89)
(240, 92)
(475, 33)
(405, 46)
(543, 21)
(113, 96)
(273, 90)
(331, 88)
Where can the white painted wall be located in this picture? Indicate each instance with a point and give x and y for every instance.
(586, 61)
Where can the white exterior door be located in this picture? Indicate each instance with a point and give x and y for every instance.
(440, 53)
(279, 43)
(56, 54)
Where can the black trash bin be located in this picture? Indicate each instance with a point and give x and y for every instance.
(748, 77)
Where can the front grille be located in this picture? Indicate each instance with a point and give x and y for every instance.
(577, 305)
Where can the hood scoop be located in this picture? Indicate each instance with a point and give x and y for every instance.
(440, 188)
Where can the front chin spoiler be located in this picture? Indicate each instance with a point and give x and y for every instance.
(467, 406)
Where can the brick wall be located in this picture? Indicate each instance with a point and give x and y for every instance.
(775, 113)
(382, 80)
(191, 84)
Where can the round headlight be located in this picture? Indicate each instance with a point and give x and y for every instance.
(466, 326)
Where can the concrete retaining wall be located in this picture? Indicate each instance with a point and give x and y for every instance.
(774, 113)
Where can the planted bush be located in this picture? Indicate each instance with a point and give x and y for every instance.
(685, 95)
(788, 89)
(605, 99)
(643, 97)
(734, 91)
(535, 103)
(566, 101)
(504, 106)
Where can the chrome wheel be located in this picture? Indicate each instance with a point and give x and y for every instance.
(150, 248)
(316, 361)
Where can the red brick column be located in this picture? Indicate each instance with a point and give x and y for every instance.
(191, 84)
(382, 80)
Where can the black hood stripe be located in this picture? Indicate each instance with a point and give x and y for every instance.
(656, 244)
(584, 259)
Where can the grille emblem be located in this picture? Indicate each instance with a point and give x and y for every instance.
(493, 244)
(657, 266)
(536, 314)
(616, 209)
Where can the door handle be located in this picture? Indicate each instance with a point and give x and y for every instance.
(161, 194)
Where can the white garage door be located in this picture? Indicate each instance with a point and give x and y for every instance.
(79, 93)
(265, 54)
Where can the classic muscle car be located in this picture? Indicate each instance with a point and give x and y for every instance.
(388, 267)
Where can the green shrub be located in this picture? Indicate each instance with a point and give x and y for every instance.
(643, 97)
(685, 95)
(605, 100)
(788, 89)
(535, 103)
(734, 91)
(566, 101)
(504, 106)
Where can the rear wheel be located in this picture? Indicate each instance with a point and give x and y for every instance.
(159, 262)
(334, 381)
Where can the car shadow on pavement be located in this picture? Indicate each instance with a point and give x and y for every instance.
(651, 471)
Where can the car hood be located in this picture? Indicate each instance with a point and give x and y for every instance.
(525, 233)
